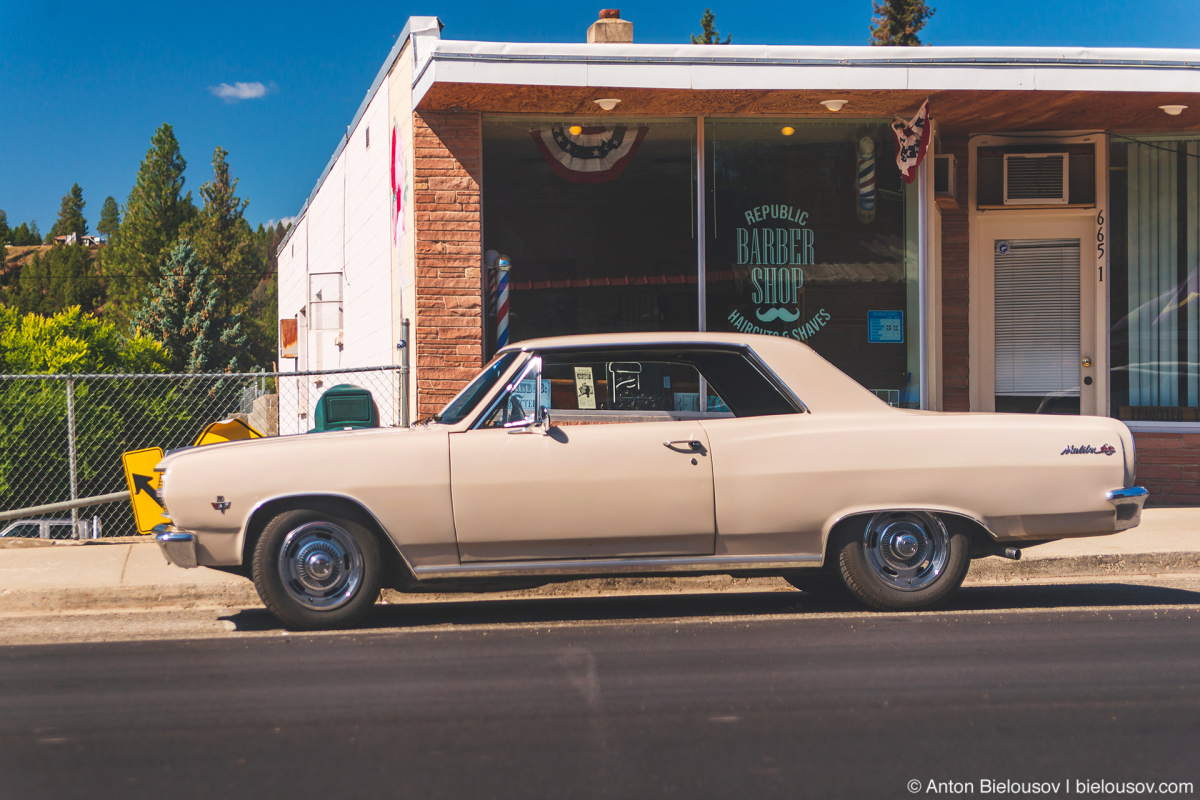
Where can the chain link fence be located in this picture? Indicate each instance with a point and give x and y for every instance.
(62, 436)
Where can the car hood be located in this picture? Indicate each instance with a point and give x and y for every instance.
(273, 444)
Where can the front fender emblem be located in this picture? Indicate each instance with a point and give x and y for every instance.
(222, 504)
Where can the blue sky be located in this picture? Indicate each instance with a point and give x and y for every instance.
(83, 85)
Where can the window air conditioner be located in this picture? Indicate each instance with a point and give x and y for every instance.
(1036, 179)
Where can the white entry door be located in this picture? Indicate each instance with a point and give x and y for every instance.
(1044, 352)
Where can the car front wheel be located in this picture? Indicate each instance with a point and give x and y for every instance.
(903, 560)
(315, 570)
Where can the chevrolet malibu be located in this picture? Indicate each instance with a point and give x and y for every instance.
(645, 454)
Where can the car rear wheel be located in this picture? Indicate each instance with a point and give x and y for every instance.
(903, 560)
(315, 570)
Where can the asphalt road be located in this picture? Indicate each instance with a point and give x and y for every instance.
(745, 696)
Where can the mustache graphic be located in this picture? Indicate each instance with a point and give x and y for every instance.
(772, 314)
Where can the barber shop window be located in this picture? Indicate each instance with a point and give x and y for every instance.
(812, 235)
(1154, 190)
(596, 217)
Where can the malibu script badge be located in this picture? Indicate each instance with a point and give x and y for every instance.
(1087, 450)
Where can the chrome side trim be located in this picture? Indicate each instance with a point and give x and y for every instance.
(616, 566)
(1128, 502)
(178, 546)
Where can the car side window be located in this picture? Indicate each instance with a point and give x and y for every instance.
(23, 530)
(61, 530)
(618, 385)
(648, 383)
(639, 384)
(518, 404)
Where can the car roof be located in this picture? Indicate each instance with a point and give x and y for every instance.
(689, 338)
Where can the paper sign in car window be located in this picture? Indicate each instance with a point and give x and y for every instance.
(144, 484)
(226, 430)
(585, 388)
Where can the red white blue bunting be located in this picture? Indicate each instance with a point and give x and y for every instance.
(597, 154)
(912, 139)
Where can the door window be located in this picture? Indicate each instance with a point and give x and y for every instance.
(1037, 325)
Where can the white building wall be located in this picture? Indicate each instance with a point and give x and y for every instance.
(293, 302)
(401, 203)
(349, 228)
(368, 302)
(326, 254)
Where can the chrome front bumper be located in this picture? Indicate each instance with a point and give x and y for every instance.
(178, 546)
(1128, 503)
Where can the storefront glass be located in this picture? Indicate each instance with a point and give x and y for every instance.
(598, 221)
(1154, 192)
(812, 234)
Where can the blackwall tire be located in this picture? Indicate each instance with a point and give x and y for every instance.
(316, 571)
(903, 560)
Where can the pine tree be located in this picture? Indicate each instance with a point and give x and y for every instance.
(55, 280)
(181, 312)
(154, 214)
(710, 34)
(25, 234)
(896, 22)
(222, 237)
(4, 230)
(70, 216)
(110, 219)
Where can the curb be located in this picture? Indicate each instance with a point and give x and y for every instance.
(994, 569)
(241, 594)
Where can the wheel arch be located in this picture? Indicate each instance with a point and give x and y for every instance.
(953, 519)
(396, 569)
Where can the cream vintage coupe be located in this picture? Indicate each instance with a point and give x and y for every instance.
(637, 454)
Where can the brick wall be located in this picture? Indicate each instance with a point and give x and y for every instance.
(956, 289)
(447, 176)
(1169, 466)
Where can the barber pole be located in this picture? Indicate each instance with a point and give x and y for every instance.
(866, 179)
(502, 267)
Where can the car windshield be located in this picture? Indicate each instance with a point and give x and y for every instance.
(466, 400)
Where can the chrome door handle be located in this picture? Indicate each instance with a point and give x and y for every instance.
(690, 445)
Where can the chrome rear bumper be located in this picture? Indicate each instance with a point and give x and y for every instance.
(178, 546)
(1128, 503)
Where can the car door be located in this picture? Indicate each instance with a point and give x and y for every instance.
(536, 491)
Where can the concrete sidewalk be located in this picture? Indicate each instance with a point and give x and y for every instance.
(133, 573)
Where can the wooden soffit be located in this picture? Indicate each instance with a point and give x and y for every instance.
(956, 111)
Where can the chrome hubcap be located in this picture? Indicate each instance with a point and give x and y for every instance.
(906, 550)
(321, 565)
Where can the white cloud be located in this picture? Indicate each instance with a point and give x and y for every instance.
(271, 223)
(233, 93)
